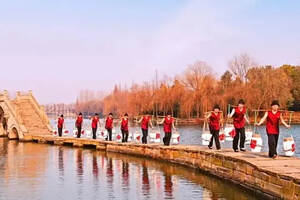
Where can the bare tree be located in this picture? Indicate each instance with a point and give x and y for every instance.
(240, 65)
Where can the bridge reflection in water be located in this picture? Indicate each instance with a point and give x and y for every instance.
(37, 171)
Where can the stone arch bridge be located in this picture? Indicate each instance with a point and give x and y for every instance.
(22, 117)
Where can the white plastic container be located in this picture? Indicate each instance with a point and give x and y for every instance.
(75, 133)
(222, 136)
(118, 137)
(54, 132)
(228, 130)
(248, 134)
(289, 146)
(137, 137)
(65, 132)
(256, 143)
(88, 134)
(175, 139)
(154, 137)
(129, 137)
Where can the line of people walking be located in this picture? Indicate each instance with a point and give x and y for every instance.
(239, 115)
(145, 122)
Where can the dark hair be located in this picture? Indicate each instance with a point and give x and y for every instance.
(96, 114)
(216, 106)
(169, 113)
(110, 114)
(80, 113)
(275, 102)
(126, 115)
(61, 115)
(241, 101)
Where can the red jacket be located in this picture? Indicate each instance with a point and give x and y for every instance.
(168, 124)
(79, 121)
(145, 122)
(239, 118)
(109, 123)
(124, 124)
(273, 123)
(95, 121)
(60, 122)
(214, 121)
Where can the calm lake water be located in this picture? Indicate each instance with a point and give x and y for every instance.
(30, 171)
(191, 135)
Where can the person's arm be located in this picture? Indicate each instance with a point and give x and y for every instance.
(231, 114)
(162, 121)
(207, 115)
(263, 119)
(173, 124)
(139, 121)
(221, 121)
(99, 123)
(247, 120)
(283, 122)
(150, 121)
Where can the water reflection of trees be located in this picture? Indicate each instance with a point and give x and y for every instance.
(61, 161)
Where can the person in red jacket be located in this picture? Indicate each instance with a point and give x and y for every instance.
(272, 127)
(60, 125)
(109, 126)
(239, 118)
(124, 127)
(168, 122)
(215, 123)
(145, 122)
(95, 122)
(78, 124)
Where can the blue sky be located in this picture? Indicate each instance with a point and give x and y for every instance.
(56, 48)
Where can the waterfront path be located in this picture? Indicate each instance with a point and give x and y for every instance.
(278, 178)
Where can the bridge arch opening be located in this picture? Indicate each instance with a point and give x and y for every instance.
(14, 134)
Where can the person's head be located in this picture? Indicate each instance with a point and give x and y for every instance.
(169, 114)
(216, 108)
(80, 114)
(126, 115)
(96, 115)
(241, 103)
(62, 116)
(110, 114)
(275, 105)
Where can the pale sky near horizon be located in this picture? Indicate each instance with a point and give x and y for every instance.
(59, 47)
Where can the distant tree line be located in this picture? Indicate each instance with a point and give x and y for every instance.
(197, 89)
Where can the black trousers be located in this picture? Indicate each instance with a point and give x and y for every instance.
(240, 132)
(109, 136)
(145, 135)
(167, 138)
(124, 135)
(215, 136)
(60, 131)
(94, 132)
(78, 131)
(272, 141)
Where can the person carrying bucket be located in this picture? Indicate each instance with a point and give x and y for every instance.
(215, 123)
(272, 127)
(95, 122)
(78, 124)
(60, 125)
(168, 122)
(124, 128)
(145, 122)
(239, 117)
(109, 126)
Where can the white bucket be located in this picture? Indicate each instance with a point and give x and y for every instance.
(103, 134)
(137, 137)
(118, 137)
(206, 137)
(289, 146)
(54, 132)
(65, 132)
(175, 138)
(229, 128)
(222, 136)
(129, 137)
(248, 134)
(88, 134)
(154, 137)
(256, 143)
